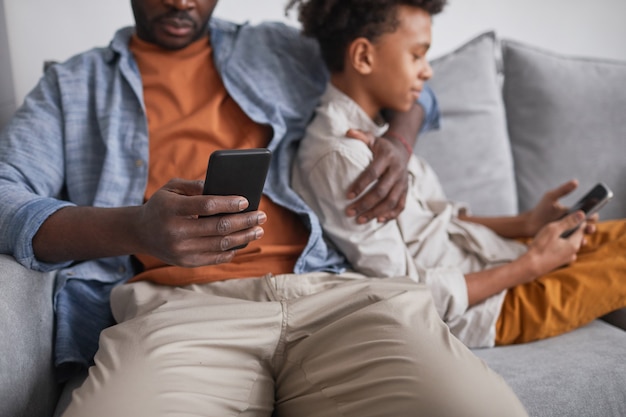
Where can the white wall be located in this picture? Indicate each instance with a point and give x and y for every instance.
(56, 29)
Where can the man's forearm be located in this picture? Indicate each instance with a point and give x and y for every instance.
(407, 125)
(79, 233)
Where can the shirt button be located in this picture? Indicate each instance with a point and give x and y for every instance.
(122, 269)
(139, 163)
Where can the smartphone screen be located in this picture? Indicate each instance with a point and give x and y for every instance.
(591, 203)
(594, 200)
(240, 172)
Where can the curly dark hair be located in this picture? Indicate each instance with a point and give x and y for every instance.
(336, 23)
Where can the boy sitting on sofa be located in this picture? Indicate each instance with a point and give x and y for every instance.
(492, 284)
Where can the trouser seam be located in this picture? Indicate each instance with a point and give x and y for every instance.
(317, 387)
(281, 345)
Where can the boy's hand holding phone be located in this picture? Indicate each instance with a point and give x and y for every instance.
(590, 204)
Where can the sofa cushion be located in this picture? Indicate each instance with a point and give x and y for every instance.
(27, 383)
(578, 374)
(471, 152)
(567, 119)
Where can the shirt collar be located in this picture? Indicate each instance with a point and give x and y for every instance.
(352, 112)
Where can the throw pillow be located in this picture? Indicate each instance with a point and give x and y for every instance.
(566, 119)
(471, 152)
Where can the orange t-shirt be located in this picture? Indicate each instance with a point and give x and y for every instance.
(190, 114)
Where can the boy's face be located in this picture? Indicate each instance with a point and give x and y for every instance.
(400, 67)
(172, 24)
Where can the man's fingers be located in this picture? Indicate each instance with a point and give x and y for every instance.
(228, 224)
(184, 187)
(367, 177)
(383, 202)
(387, 212)
(221, 237)
(211, 205)
(215, 244)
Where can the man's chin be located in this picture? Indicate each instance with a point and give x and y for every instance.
(174, 43)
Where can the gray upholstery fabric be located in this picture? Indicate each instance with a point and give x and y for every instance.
(7, 103)
(27, 386)
(566, 119)
(471, 152)
(578, 374)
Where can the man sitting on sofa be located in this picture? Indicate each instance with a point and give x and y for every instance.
(85, 174)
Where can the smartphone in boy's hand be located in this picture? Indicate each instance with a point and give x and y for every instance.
(590, 204)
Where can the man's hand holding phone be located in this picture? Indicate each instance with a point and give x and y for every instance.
(183, 227)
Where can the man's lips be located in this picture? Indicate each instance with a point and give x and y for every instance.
(176, 27)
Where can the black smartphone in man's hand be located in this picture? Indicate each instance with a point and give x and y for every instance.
(238, 172)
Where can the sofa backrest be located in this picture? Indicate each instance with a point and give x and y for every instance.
(567, 119)
(518, 121)
(7, 98)
(471, 152)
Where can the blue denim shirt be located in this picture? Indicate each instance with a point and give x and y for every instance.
(81, 138)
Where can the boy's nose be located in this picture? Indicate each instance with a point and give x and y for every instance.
(427, 72)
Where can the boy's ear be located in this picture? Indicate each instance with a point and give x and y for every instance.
(361, 55)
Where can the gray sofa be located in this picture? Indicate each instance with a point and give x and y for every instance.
(516, 121)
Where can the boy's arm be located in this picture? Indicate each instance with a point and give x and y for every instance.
(507, 226)
(527, 224)
(547, 252)
(386, 199)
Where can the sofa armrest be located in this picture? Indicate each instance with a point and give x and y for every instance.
(27, 383)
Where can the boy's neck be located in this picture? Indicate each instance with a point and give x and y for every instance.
(354, 88)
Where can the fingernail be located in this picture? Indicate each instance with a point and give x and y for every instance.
(258, 233)
(351, 212)
(261, 218)
(243, 204)
(351, 196)
(362, 220)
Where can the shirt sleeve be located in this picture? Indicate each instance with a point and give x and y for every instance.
(31, 172)
(429, 103)
(374, 249)
(449, 290)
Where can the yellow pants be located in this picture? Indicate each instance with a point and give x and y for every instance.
(571, 296)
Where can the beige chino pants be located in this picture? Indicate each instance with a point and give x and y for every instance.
(290, 346)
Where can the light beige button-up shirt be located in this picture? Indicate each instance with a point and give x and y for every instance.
(426, 242)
